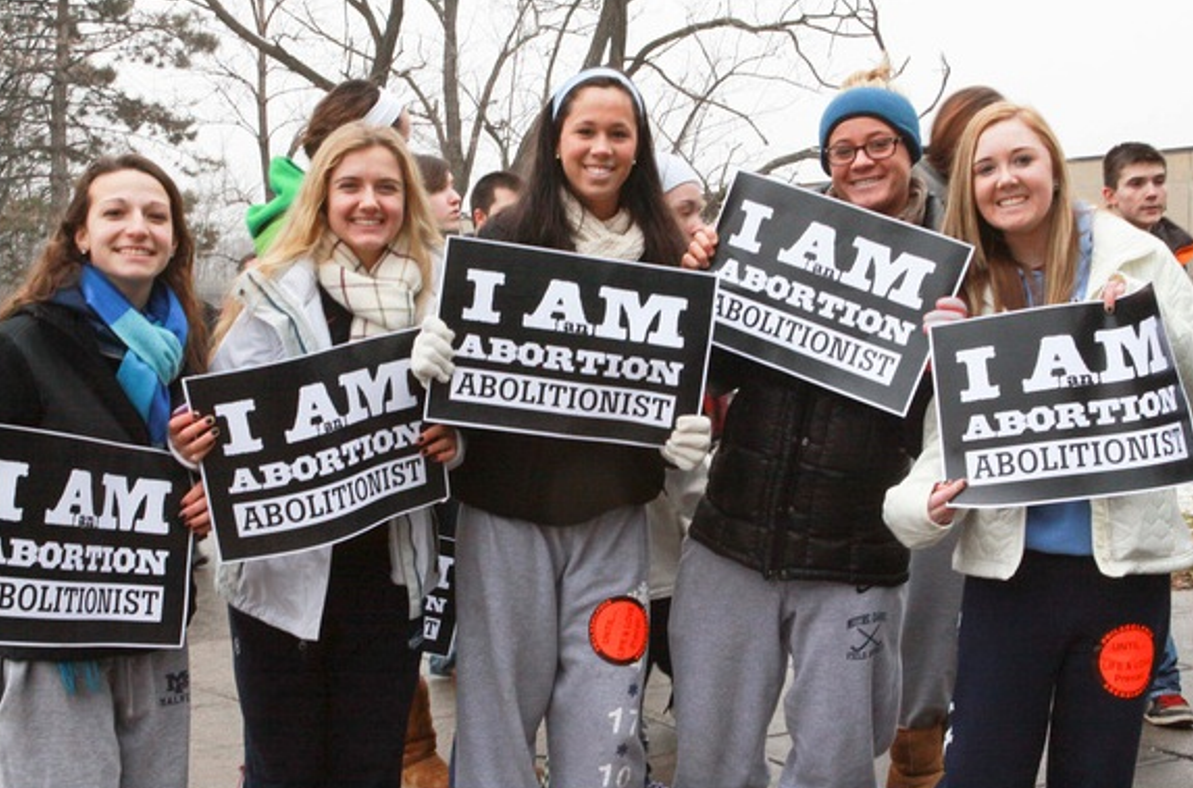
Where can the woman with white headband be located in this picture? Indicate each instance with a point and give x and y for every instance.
(552, 533)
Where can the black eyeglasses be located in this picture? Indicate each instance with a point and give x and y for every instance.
(877, 149)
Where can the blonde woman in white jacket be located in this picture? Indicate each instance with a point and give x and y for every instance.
(1037, 611)
(326, 642)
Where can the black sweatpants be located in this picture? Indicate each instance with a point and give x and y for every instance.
(331, 712)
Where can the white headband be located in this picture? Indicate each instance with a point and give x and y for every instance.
(385, 110)
(674, 171)
(589, 74)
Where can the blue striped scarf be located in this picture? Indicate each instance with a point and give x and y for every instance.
(149, 344)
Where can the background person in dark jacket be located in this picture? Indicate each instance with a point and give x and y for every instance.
(1135, 186)
(492, 194)
(929, 639)
(93, 344)
(788, 558)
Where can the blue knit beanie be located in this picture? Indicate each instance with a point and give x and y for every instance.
(886, 105)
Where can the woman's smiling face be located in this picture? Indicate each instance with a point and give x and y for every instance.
(129, 232)
(882, 185)
(597, 145)
(1013, 182)
(366, 202)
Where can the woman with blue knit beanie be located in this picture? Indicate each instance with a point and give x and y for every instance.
(788, 561)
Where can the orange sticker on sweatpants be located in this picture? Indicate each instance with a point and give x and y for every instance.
(1125, 660)
(619, 630)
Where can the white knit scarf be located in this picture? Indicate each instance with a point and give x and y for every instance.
(617, 237)
(381, 299)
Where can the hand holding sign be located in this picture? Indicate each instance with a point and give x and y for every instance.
(700, 250)
(195, 513)
(689, 442)
(192, 435)
(1114, 289)
(439, 443)
(431, 358)
(940, 509)
(948, 309)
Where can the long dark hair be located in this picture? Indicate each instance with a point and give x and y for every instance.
(539, 217)
(61, 262)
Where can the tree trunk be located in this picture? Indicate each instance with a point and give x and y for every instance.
(262, 98)
(59, 95)
(609, 39)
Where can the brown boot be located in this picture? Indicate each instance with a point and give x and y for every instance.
(917, 758)
(421, 765)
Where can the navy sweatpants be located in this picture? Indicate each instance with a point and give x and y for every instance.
(1059, 651)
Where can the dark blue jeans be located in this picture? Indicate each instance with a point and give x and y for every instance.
(1168, 675)
(1036, 657)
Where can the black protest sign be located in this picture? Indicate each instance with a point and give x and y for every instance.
(1061, 403)
(829, 292)
(315, 449)
(554, 343)
(439, 607)
(92, 551)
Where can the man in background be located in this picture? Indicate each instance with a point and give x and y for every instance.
(492, 194)
(1135, 186)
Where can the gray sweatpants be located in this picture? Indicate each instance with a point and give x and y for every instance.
(133, 731)
(930, 635)
(733, 634)
(526, 596)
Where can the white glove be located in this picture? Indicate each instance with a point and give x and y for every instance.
(948, 309)
(689, 442)
(431, 358)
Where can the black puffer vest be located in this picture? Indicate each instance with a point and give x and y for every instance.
(797, 484)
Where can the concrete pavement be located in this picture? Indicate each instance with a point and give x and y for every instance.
(1165, 756)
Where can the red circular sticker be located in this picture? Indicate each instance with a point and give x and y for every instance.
(1125, 660)
(619, 630)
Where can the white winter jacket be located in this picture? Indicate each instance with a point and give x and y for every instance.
(1139, 533)
(283, 319)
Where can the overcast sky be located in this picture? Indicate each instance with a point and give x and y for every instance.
(1098, 76)
(1100, 73)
